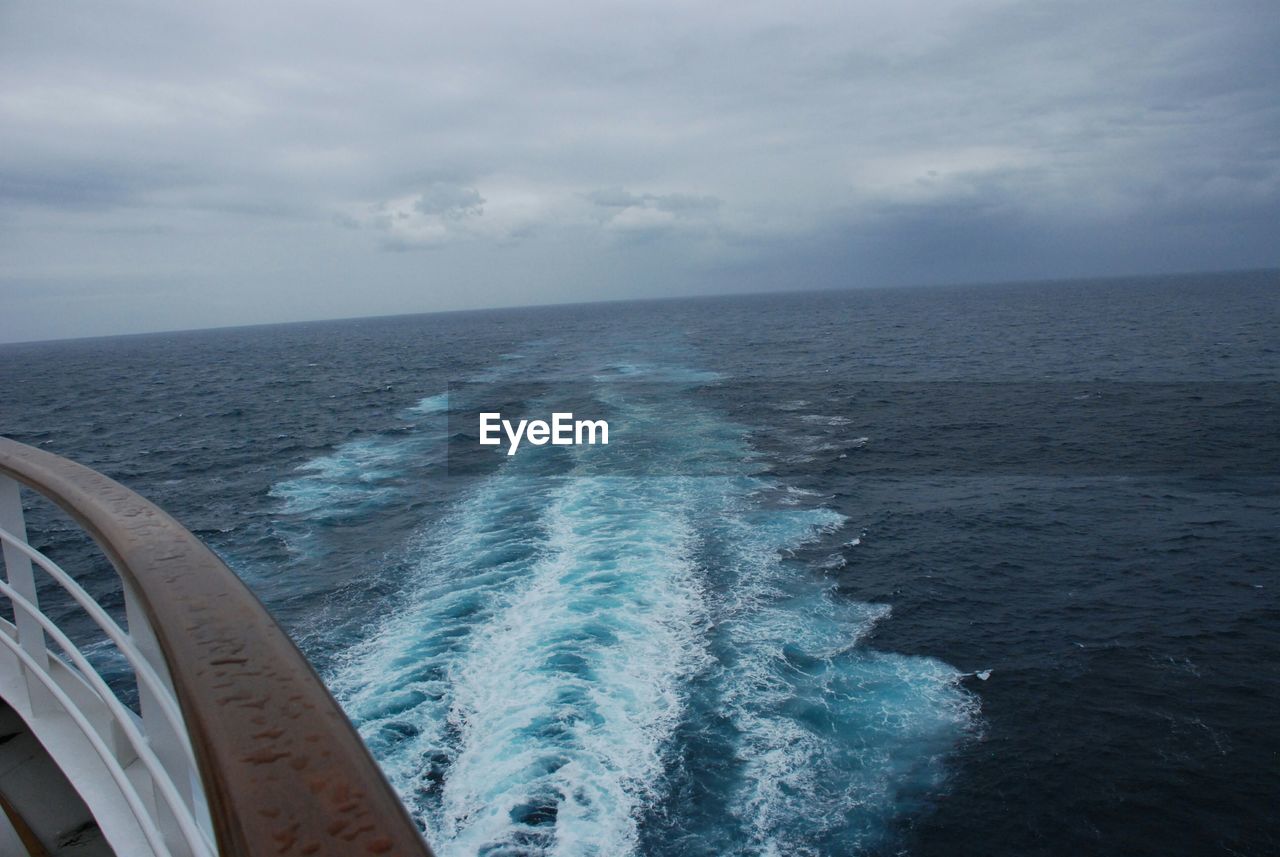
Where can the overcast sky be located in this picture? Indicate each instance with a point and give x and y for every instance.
(179, 164)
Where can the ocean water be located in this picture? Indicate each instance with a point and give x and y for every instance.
(969, 570)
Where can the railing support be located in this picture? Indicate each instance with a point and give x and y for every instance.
(166, 744)
(22, 578)
(278, 769)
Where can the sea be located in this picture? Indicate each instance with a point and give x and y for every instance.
(969, 570)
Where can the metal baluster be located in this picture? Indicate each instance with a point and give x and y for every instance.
(22, 578)
(160, 735)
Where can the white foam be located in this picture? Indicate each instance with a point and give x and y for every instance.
(355, 473)
(525, 696)
(629, 629)
(830, 732)
(437, 404)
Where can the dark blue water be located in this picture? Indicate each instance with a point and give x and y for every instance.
(760, 620)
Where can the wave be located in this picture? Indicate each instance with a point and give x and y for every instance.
(437, 404)
(354, 476)
(835, 739)
(573, 657)
(364, 474)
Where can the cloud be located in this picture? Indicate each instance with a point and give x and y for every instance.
(647, 214)
(614, 198)
(446, 212)
(450, 201)
(671, 202)
(441, 212)
(303, 140)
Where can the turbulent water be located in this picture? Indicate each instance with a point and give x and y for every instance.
(576, 645)
(937, 571)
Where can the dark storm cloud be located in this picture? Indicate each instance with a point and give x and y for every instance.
(226, 150)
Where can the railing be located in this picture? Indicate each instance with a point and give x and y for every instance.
(238, 749)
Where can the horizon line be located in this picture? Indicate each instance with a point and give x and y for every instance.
(1042, 281)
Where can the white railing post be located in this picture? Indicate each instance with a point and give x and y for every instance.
(168, 746)
(21, 577)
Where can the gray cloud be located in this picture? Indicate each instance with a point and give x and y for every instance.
(614, 198)
(645, 216)
(451, 201)
(224, 152)
(671, 202)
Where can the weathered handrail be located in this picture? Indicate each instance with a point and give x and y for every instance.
(283, 772)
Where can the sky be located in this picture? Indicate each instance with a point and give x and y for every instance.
(178, 165)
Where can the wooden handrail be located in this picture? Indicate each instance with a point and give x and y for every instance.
(284, 772)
